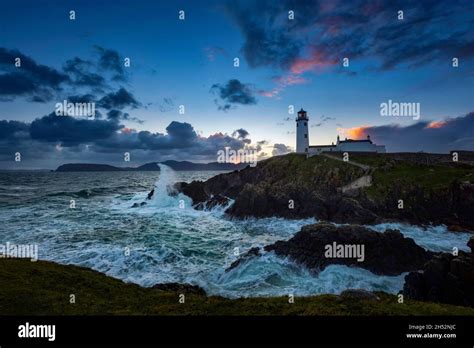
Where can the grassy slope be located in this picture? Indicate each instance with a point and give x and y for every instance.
(43, 288)
(429, 177)
(385, 173)
(297, 168)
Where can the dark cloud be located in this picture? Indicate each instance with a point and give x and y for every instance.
(65, 138)
(280, 149)
(40, 83)
(264, 46)
(439, 137)
(240, 133)
(110, 60)
(118, 115)
(13, 130)
(118, 100)
(36, 81)
(80, 70)
(71, 131)
(84, 98)
(234, 92)
(325, 31)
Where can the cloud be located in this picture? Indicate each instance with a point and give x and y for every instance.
(437, 136)
(240, 133)
(36, 81)
(280, 149)
(263, 44)
(232, 93)
(59, 139)
(80, 70)
(323, 32)
(117, 115)
(11, 131)
(71, 131)
(281, 83)
(166, 105)
(119, 100)
(110, 60)
(40, 83)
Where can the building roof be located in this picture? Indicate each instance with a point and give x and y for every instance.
(322, 146)
(355, 141)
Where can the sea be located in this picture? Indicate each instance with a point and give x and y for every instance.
(87, 219)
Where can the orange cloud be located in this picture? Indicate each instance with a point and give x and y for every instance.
(282, 82)
(127, 130)
(316, 61)
(290, 80)
(355, 132)
(436, 124)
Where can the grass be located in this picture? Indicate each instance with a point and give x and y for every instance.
(298, 168)
(44, 288)
(388, 173)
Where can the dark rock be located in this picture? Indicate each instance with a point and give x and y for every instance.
(195, 190)
(180, 288)
(215, 200)
(244, 258)
(359, 294)
(137, 205)
(150, 195)
(387, 253)
(446, 278)
(470, 244)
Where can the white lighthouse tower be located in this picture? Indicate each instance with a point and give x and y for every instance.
(302, 134)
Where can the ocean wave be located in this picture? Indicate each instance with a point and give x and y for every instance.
(434, 238)
(169, 241)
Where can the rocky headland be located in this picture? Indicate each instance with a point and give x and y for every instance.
(369, 189)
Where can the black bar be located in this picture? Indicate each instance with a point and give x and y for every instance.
(238, 330)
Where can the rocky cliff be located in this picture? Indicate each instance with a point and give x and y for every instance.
(294, 186)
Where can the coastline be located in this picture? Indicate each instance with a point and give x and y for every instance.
(44, 288)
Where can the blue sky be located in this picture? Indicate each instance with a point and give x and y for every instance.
(190, 63)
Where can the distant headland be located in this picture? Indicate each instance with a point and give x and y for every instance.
(152, 166)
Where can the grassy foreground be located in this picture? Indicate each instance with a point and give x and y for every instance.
(44, 288)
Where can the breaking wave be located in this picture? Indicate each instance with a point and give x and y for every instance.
(166, 240)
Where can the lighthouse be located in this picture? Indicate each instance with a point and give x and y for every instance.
(302, 134)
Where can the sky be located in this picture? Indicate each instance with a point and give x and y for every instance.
(183, 97)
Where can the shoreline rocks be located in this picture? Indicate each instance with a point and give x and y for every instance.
(446, 279)
(388, 253)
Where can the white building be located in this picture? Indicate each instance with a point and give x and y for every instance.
(347, 145)
(302, 134)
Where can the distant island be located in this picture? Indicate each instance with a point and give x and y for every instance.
(152, 166)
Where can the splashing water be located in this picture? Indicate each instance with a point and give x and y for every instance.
(162, 196)
(169, 241)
